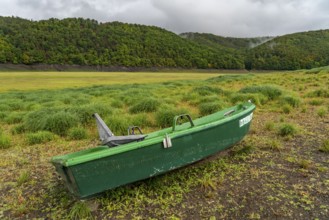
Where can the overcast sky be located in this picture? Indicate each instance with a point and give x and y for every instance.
(234, 18)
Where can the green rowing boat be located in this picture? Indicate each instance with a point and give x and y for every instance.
(126, 159)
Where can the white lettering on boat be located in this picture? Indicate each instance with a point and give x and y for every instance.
(245, 120)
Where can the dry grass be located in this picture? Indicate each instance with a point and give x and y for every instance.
(59, 80)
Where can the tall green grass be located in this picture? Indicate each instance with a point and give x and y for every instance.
(271, 92)
(145, 105)
(57, 121)
(207, 90)
(39, 137)
(293, 101)
(5, 141)
(207, 108)
(164, 116)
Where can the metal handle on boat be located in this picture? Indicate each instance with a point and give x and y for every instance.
(181, 117)
(131, 130)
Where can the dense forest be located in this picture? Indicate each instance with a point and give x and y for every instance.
(290, 52)
(87, 42)
(223, 43)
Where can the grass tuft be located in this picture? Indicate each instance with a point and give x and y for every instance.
(321, 112)
(257, 99)
(145, 105)
(287, 130)
(244, 149)
(269, 125)
(141, 120)
(209, 108)
(304, 164)
(56, 121)
(286, 109)
(207, 90)
(275, 145)
(271, 92)
(23, 178)
(18, 129)
(77, 133)
(80, 210)
(14, 118)
(118, 124)
(39, 137)
(316, 102)
(207, 182)
(84, 112)
(291, 100)
(5, 141)
(165, 116)
(325, 146)
(319, 93)
(61, 122)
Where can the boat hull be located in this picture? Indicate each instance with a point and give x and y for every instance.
(99, 174)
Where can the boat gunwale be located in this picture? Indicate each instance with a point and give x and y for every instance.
(104, 151)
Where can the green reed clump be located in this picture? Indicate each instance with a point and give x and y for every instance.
(15, 104)
(117, 103)
(211, 98)
(18, 129)
(207, 90)
(80, 210)
(3, 115)
(60, 122)
(118, 124)
(231, 78)
(291, 100)
(141, 120)
(145, 105)
(257, 99)
(271, 92)
(325, 146)
(14, 118)
(321, 112)
(316, 102)
(84, 112)
(319, 93)
(37, 120)
(77, 133)
(209, 108)
(133, 96)
(39, 137)
(5, 141)
(74, 99)
(24, 177)
(165, 116)
(4, 107)
(288, 130)
(191, 98)
(57, 121)
(269, 125)
(286, 109)
(66, 99)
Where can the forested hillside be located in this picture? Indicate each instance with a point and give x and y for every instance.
(304, 50)
(87, 42)
(225, 42)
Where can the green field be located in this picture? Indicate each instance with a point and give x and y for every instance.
(59, 80)
(280, 170)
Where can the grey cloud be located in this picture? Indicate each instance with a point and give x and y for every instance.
(240, 18)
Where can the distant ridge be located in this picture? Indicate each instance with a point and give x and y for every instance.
(230, 42)
(86, 42)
